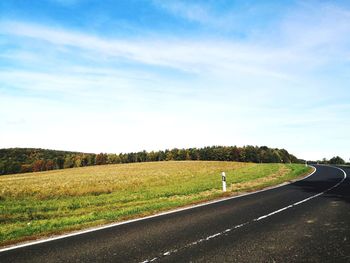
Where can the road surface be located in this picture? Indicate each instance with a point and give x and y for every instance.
(307, 221)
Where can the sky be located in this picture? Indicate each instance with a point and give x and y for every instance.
(130, 75)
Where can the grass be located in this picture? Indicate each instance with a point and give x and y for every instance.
(46, 203)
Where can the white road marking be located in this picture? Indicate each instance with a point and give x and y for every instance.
(143, 218)
(259, 218)
(271, 214)
(213, 236)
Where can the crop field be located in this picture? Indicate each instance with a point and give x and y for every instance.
(40, 204)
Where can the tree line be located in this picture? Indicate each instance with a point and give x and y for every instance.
(334, 160)
(23, 160)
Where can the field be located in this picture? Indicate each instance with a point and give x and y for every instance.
(46, 203)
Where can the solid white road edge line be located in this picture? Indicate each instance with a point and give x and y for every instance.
(168, 253)
(147, 217)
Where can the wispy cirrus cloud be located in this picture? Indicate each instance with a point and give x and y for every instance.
(196, 56)
(196, 12)
(306, 38)
(285, 58)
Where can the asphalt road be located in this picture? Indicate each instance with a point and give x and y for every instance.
(299, 222)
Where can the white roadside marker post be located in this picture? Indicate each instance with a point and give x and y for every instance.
(223, 181)
(305, 163)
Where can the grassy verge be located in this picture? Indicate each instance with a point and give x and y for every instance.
(46, 203)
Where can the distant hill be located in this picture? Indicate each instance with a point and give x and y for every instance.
(22, 160)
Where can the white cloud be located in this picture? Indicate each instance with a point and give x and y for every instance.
(301, 45)
(191, 11)
(202, 13)
(196, 56)
(316, 26)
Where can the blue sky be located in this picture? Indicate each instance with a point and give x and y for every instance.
(120, 76)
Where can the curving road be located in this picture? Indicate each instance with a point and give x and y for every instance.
(307, 221)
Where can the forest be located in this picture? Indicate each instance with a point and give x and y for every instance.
(23, 160)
